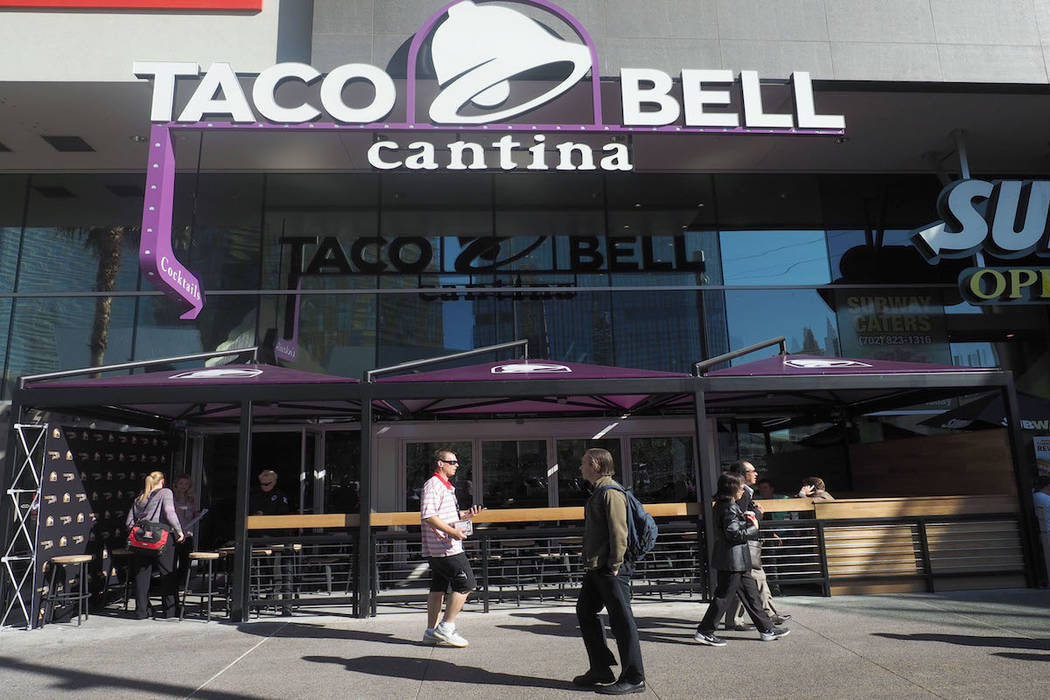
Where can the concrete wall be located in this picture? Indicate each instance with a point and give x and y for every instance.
(1006, 41)
(101, 46)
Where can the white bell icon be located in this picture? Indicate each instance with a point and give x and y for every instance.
(478, 49)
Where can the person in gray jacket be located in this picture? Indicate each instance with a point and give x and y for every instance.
(733, 529)
(156, 504)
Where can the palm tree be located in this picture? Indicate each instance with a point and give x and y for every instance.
(107, 244)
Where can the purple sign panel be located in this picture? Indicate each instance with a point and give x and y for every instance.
(156, 257)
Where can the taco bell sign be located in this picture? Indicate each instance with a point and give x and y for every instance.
(480, 53)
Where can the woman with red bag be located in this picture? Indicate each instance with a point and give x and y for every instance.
(155, 504)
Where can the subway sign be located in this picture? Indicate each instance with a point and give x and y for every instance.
(1009, 219)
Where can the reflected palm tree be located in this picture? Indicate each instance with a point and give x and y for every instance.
(106, 245)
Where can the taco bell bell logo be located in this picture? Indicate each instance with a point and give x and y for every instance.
(478, 49)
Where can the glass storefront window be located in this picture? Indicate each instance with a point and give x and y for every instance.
(786, 257)
(802, 316)
(662, 469)
(419, 466)
(573, 489)
(342, 471)
(514, 473)
(56, 333)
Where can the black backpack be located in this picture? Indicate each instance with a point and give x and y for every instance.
(641, 528)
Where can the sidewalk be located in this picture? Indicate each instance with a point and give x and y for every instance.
(953, 645)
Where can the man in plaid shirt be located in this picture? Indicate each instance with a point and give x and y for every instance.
(443, 531)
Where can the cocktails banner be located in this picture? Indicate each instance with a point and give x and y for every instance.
(483, 55)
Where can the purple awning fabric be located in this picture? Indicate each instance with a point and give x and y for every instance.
(236, 375)
(524, 371)
(797, 365)
(528, 369)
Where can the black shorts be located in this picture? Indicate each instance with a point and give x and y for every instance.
(453, 573)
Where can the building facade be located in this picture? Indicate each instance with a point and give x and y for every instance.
(702, 222)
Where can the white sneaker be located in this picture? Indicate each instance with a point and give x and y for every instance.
(429, 638)
(448, 636)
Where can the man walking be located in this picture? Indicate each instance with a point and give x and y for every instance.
(607, 583)
(735, 615)
(444, 527)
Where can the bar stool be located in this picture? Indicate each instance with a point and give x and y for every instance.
(259, 582)
(204, 595)
(80, 593)
(120, 569)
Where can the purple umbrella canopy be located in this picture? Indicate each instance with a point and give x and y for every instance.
(794, 365)
(237, 375)
(204, 393)
(525, 371)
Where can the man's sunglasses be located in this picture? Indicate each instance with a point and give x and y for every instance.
(453, 462)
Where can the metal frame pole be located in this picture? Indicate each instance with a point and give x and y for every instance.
(239, 605)
(705, 529)
(1023, 480)
(365, 553)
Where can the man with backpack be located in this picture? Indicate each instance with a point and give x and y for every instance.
(608, 564)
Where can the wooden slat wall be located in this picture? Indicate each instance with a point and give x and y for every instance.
(963, 462)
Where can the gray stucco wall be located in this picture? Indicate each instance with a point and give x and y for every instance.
(1002, 41)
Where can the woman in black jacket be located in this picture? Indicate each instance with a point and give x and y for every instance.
(733, 528)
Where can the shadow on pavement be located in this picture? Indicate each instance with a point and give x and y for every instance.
(563, 624)
(70, 679)
(434, 670)
(971, 641)
(1022, 657)
(304, 630)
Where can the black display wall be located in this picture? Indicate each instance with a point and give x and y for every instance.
(88, 482)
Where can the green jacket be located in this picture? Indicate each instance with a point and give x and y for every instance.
(604, 527)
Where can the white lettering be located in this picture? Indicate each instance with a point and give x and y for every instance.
(694, 97)
(804, 109)
(754, 116)
(539, 154)
(163, 74)
(506, 146)
(424, 159)
(456, 150)
(618, 159)
(424, 155)
(332, 93)
(633, 96)
(376, 161)
(204, 101)
(565, 156)
(266, 84)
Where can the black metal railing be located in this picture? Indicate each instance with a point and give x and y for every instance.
(513, 564)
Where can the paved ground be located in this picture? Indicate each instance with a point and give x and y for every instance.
(956, 645)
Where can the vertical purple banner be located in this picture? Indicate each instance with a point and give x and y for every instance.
(156, 258)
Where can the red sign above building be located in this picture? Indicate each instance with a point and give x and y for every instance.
(174, 5)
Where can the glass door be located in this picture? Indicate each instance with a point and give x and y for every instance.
(514, 474)
(573, 489)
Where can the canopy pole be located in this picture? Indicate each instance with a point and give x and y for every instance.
(240, 602)
(780, 341)
(705, 528)
(365, 555)
(1029, 523)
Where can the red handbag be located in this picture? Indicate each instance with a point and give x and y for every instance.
(149, 537)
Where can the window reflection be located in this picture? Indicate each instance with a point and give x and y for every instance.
(802, 316)
(514, 473)
(573, 489)
(342, 471)
(662, 469)
(774, 257)
(419, 466)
